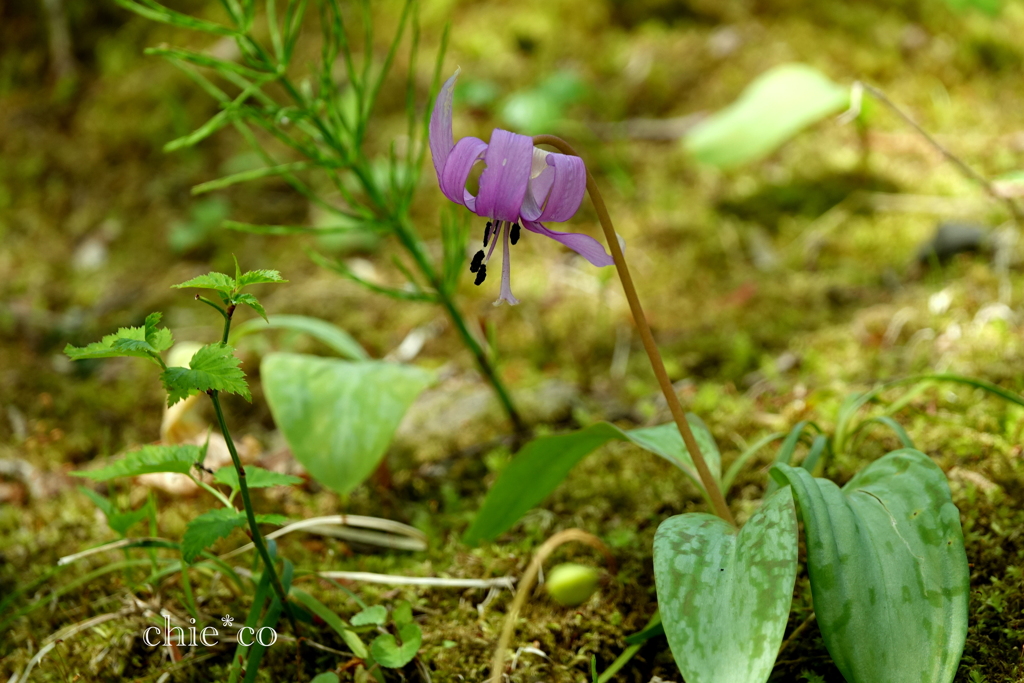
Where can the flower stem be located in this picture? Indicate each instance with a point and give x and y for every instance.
(657, 364)
(408, 240)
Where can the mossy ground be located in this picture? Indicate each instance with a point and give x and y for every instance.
(81, 169)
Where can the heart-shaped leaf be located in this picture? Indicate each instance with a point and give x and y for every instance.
(339, 416)
(888, 568)
(724, 594)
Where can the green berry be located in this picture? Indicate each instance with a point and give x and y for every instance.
(571, 584)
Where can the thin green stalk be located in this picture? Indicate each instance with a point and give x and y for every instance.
(657, 363)
(408, 241)
(243, 487)
(257, 537)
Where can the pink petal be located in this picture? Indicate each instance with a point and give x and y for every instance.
(504, 181)
(441, 140)
(584, 245)
(567, 190)
(456, 170)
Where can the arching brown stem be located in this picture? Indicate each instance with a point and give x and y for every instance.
(657, 364)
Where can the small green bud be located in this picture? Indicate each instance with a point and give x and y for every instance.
(571, 584)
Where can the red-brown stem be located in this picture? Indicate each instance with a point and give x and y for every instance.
(657, 364)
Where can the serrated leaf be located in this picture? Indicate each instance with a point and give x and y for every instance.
(333, 620)
(375, 614)
(255, 477)
(888, 569)
(207, 529)
(777, 105)
(218, 281)
(339, 416)
(258, 277)
(127, 342)
(158, 338)
(213, 367)
(543, 463)
(388, 653)
(149, 459)
(252, 302)
(724, 594)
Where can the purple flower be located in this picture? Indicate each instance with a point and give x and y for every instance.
(520, 185)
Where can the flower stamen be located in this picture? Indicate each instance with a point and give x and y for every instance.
(514, 235)
(487, 232)
(478, 261)
(481, 275)
(494, 243)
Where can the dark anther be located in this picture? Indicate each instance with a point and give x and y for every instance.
(514, 235)
(487, 232)
(481, 275)
(478, 261)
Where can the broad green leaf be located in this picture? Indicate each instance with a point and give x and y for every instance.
(255, 477)
(888, 569)
(212, 367)
(258, 277)
(252, 302)
(207, 528)
(375, 614)
(218, 281)
(339, 416)
(321, 330)
(149, 459)
(332, 620)
(402, 613)
(388, 653)
(772, 109)
(724, 594)
(543, 463)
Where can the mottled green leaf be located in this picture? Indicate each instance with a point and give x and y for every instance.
(148, 459)
(888, 569)
(724, 594)
(212, 367)
(772, 109)
(339, 416)
(544, 462)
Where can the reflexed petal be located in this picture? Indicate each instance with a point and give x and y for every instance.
(555, 193)
(441, 140)
(504, 181)
(457, 168)
(567, 190)
(584, 245)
